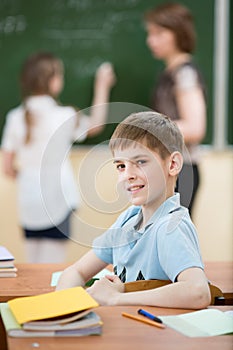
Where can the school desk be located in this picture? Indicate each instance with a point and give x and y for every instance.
(121, 333)
(118, 332)
(31, 279)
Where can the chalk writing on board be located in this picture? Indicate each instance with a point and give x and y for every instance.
(13, 24)
(91, 32)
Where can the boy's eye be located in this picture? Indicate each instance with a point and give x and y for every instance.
(141, 161)
(120, 166)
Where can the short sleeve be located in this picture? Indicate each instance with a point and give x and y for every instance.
(186, 78)
(104, 245)
(13, 132)
(178, 249)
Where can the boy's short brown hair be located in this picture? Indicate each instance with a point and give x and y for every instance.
(154, 130)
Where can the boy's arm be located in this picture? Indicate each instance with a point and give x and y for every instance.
(191, 291)
(81, 271)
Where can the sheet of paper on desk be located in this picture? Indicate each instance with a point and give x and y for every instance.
(56, 275)
(203, 323)
(5, 254)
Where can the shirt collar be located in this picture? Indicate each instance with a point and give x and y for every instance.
(170, 205)
(39, 102)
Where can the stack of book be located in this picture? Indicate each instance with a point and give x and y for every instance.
(64, 313)
(7, 267)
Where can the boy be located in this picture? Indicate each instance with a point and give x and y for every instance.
(154, 238)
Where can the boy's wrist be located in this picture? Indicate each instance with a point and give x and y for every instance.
(116, 300)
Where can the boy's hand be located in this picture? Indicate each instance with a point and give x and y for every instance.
(107, 290)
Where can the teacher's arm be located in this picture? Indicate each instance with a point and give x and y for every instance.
(192, 111)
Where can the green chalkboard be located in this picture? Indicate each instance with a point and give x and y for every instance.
(85, 33)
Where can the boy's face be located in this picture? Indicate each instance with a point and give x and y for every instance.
(143, 174)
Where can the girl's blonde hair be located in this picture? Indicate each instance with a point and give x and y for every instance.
(35, 77)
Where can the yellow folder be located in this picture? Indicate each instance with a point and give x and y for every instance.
(51, 304)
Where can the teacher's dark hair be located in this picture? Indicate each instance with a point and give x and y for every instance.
(179, 20)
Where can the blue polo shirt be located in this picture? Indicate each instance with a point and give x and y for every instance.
(167, 245)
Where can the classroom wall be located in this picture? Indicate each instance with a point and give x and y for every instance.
(100, 204)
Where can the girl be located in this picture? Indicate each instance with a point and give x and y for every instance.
(38, 135)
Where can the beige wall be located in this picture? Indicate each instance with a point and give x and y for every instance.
(100, 204)
(214, 207)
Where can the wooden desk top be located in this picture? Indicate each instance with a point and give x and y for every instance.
(220, 273)
(35, 279)
(120, 333)
(31, 279)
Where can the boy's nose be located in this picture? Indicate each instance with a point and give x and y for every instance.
(130, 173)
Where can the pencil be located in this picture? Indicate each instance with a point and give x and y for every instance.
(144, 320)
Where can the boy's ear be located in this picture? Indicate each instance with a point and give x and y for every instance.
(176, 163)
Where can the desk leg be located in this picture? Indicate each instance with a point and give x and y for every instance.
(3, 341)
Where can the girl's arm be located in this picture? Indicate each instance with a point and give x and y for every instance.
(8, 164)
(191, 291)
(81, 271)
(104, 81)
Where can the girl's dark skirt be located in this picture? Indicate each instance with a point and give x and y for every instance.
(61, 231)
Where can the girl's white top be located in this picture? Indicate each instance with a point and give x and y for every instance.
(47, 190)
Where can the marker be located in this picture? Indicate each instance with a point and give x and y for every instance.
(150, 316)
(144, 320)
